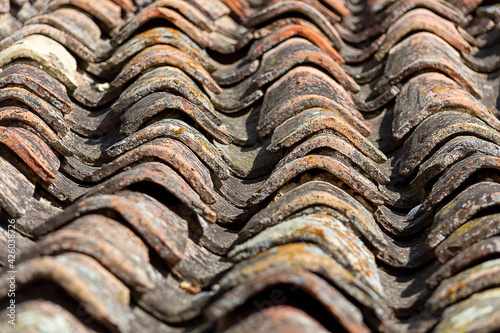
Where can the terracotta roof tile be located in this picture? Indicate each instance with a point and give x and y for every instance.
(260, 165)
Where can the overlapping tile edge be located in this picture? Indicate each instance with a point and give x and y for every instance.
(260, 165)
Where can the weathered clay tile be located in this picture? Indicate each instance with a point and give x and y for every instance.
(105, 11)
(36, 124)
(54, 58)
(90, 235)
(279, 319)
(164, 55)
(306, 87)
(293, 52)
(145, 320)
(456, 176)
(240, 8)
(73, 22)
(463, 259)
(465, 236)
(215, 237)
(25, 9)
(227, 74)
(223, 33)
(367, 72)
(463, 207)
(337, 305)
(454, 150)
(184, 304)
(430, 93)
(443, 8)
(289, 31)
(236, 97)
(466, 6)
(377, 5)
(486, 40)
(165, 78)
(158, 102)
(422, 19)
(433, 54)
(328, 233)
(154, 36)
(33, 316)
(38, 82)
(345, 31)
(281, 23)
(412, 253)
(464, 284)
(179, 130)
(243, 162)
(443, 126)
(369, 102)
(218, 41)
(307, 257)
(479, 25)
(401, 224)
(46, 111)
(127, 5)
(313, 120)
(284, 7)
(15, 189)
(32, 151)
(339, 8)
(8, 24)
(162, 175)
(476, 313)
(161, 228)
(492, 11)
(483, 60)
(169, 151)
(65, 39)
(182, 198)
(345, 173)
(161, 13)
(275, 63)
(214, 9)
(338, 145)
(190, 12)
(311, 194)
(39, 208)
(232, 29)
(64, 189)
(98, 291)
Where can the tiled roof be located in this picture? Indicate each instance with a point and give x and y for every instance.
(250, 166)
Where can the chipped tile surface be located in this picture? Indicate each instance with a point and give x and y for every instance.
(250, 165)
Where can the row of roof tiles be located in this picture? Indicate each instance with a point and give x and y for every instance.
(304, 180)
